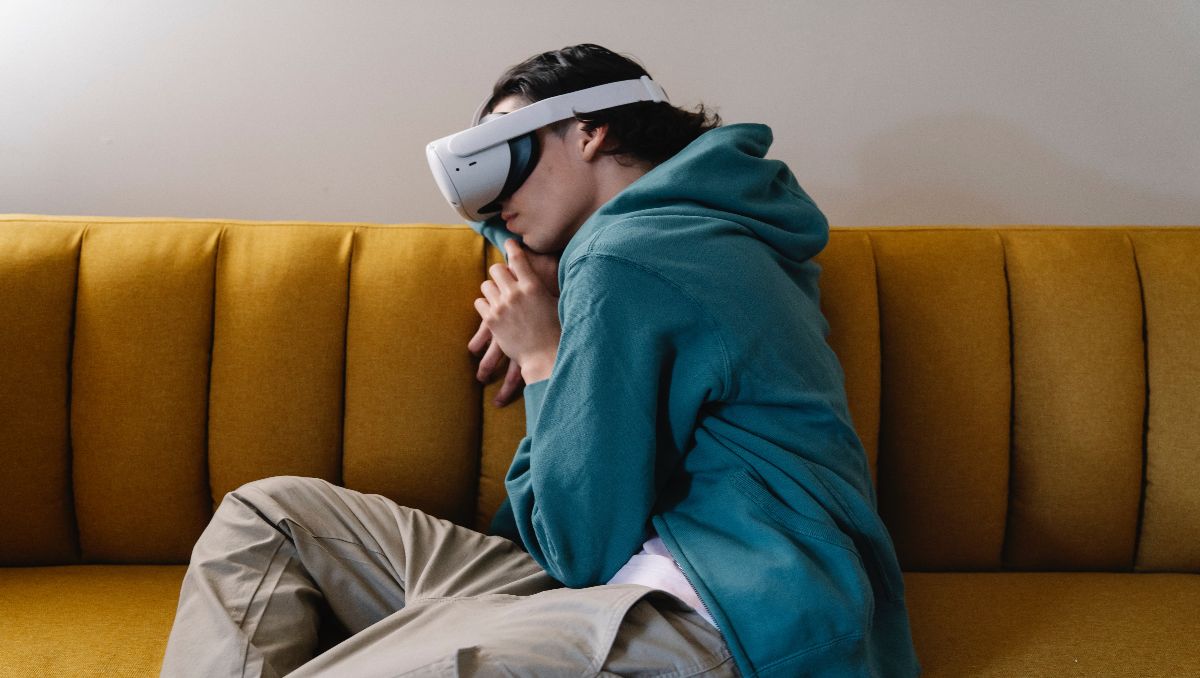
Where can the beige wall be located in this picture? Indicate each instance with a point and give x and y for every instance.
(976, 112)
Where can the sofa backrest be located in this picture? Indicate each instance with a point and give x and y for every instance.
(1029, 397)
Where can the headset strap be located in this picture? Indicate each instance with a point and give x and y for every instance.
(528, 118)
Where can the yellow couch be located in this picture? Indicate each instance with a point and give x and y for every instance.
(1029, 398)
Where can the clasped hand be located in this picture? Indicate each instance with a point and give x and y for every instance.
(519, 316)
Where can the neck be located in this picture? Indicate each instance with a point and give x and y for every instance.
(610, 179)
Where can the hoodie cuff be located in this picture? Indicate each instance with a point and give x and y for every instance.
(504, 523)
(534, 394)
(496, 232)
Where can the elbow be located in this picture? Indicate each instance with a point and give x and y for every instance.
(574, 568)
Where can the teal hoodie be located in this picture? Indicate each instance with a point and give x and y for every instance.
(694, 391)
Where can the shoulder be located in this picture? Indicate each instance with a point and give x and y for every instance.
(668, 240)
(599, 275)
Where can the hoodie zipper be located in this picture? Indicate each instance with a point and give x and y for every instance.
(702, 603)
(689, 581)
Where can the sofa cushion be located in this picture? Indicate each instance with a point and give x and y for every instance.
(113, 620)
(1054, 623)
(86, 620)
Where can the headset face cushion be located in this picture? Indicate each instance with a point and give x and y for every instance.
(523, 156)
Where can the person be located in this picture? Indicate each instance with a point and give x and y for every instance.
(690, 497)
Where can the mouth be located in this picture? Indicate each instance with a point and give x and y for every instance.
(508, 216)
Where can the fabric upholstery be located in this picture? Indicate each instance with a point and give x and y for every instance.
(1027, 396)
(101, 621)
(1076, 298)
(1169, 272)
(412, 402)
(138, 395)
(1052, 624)
(946, 398)
(38, 264)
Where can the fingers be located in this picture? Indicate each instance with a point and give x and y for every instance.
(480, 341)
(503, 277)
(512, 385)
(489, 362)
(491, 294)
(502, 282)
(517, 260)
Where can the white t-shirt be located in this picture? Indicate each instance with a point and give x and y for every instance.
(654, 566)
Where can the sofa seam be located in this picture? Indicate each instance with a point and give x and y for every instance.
(346, 359)
(212, 345)
(880, 338)
(1006, 536)
(1141, 512)
(76, 534)
(879, 374)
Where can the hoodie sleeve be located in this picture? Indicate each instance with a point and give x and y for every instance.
(636, 356)
(496, 231)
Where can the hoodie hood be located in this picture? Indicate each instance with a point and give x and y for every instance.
(722, 174)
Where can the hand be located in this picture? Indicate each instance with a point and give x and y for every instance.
(521, 314)
(546, 267)
(513, 383)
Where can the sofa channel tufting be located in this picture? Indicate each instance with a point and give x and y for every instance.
(1029, 398)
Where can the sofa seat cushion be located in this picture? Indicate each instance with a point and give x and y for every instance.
(1055, 623)
(86, 620)
(113, 620)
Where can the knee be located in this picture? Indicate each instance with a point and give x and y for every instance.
(275, 487)
(272, 499)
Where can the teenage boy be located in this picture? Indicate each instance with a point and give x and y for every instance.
(691, 497)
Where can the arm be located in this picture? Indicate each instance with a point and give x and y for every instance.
(635, 355)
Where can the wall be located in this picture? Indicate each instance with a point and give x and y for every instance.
(888, 113)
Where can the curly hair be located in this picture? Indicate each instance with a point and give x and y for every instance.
(647, 131)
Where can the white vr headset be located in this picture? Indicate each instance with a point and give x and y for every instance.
(481, 166)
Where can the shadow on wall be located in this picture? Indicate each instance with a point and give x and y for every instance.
(972, 168)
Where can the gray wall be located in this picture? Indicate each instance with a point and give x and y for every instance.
(889, 113)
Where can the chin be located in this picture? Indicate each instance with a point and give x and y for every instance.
(526, 240)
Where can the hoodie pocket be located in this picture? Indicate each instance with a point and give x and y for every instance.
(882, 583)
(788, 517)
(825, 561)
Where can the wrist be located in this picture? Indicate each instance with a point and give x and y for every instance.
(536, 370)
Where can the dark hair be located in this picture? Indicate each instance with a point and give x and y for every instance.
(648, 131)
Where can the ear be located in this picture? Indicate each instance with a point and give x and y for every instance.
(592, 142)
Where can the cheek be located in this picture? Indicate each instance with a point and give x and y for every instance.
(533, 196)
(529, 194)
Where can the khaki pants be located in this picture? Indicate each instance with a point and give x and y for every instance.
(290, 568)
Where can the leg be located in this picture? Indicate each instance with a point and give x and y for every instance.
(279, 550)
(608, 630)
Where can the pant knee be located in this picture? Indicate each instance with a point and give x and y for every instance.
(277, 498)
(276, 486)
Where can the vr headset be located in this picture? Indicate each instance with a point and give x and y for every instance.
(481, 166)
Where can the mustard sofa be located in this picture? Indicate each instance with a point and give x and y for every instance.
(1029, 398)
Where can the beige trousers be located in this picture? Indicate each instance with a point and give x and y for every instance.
(297, 576)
